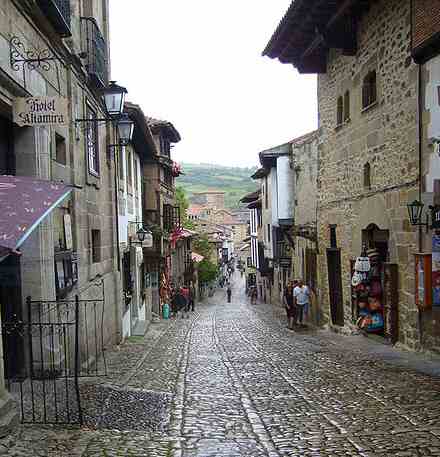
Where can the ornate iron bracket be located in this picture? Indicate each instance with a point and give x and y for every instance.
(39, 58)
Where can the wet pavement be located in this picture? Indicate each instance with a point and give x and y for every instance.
(234, 381)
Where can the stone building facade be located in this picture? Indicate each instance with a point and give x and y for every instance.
(368, 168)
(74, 250)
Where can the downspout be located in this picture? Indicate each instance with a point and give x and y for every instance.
(420, 145)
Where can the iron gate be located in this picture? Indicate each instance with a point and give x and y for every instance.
(59, 342)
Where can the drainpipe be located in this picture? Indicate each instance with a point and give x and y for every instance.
(420, 140)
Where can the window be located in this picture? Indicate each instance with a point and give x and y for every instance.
(129, 169)
(266, 193)
(121, 162)
(346, 106)
(66, 272)
(88, 8)
(168, 178)
(340, 111)
(367, 176)
(60, 149)
(96, 246)
(165, 146)
(65, 259)
(369, 89)
(135, 165)
(268, 233)
(92, 141)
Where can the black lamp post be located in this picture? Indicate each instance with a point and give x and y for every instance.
(415, 210)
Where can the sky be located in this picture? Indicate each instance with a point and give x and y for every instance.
(198, 64)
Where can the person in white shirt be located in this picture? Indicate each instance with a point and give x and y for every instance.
(301, 295)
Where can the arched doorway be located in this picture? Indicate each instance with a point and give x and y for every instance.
(375, 238)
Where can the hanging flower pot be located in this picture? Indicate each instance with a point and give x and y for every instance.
(176, 170)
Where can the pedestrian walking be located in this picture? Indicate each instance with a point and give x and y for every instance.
(192, 296)
(301, 294)
(186, 293)
(289, 304)
(229, 293)
(254, 295)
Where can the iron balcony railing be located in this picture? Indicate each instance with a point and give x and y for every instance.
(95, 48)
(58, 13)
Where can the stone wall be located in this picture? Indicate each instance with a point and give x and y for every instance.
(384, 135)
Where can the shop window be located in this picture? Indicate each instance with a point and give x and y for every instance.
(367, 176)
(96, 246)
(346, 106)
(340, 111)
(92, 145)
(60, 149)
(369, 89)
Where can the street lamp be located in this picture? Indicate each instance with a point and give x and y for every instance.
(143, 234)
(125, 128)
(415, 210)
(114, 97)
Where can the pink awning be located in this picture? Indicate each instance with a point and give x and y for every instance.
(24, 203)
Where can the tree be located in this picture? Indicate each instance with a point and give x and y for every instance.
(208, 271)
(183, 203)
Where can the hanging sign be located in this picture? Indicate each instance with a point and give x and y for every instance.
(40, 111)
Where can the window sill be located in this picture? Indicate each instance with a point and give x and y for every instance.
(339, 126)
(369, 107)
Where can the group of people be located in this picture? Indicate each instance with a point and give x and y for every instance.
(182, 301)
(296, 301)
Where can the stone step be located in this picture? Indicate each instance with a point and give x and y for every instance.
(7, 404)
(9, 417)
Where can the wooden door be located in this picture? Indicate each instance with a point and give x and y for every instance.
(335, 286)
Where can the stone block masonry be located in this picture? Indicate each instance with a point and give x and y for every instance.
(368, 166)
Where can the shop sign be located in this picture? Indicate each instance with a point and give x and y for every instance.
(40, 111)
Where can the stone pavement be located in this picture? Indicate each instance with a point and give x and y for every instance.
(233, 381)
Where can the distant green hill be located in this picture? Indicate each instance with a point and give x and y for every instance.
(236, 182)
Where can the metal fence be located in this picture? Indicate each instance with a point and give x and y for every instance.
(45, 356)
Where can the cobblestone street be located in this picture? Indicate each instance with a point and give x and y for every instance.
(233, 381)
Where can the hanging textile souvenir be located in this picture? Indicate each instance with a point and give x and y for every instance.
(362, 264)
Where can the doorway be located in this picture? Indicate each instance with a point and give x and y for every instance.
(335, 286)
(375, 238)
(11, 312)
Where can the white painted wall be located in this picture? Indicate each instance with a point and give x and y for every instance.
(273, 202)
(433, 106)
(285, 189)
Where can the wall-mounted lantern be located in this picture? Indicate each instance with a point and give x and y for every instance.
(415, 213)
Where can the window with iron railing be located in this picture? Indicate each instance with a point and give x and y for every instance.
(95, 48)
(171, 217)
(58, 13)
